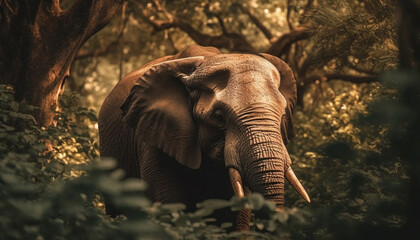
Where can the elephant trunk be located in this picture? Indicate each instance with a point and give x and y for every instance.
(257, 157)
(267, 166)
(264, 163)
(256, 154)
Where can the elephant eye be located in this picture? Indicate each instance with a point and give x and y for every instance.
(218, 117)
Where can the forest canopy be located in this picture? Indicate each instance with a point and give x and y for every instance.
(355, 149)
(321, 40)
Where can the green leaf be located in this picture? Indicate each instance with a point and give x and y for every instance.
(10, 179)
(282, 217)
(7, 127)
(256, 200)
(226, 225)
(174, 207)
(31, 210)
(214, 204)
(132, 185)
(132, 202)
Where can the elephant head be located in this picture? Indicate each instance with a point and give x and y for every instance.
(234, 108)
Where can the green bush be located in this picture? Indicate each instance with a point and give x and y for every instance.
(47, 189)
(345, 158)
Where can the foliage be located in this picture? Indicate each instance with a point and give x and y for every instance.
(74, 134)
(20, 138)
(358, 187)
(197, 225)
(37, 202)
(340, 28)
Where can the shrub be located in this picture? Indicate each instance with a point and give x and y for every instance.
(48, 191)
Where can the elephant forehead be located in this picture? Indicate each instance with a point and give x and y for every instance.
(234, 60)
(251, 80)
(249, 66)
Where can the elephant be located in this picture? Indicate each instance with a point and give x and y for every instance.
(204, 124)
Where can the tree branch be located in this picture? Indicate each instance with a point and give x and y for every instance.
(162, 9)
(309, 6)
(83, 54)
(158, 25)
(135, 23)
(221, 23)
(90, 15)
(362, 70)
(77, 24)
(53, 7)
(11, 10)
(171, 41)
(125, 20)
(339, 76)
(289, 20)
(304, 62)
(230, 41)
(258, 23)
(283, 43)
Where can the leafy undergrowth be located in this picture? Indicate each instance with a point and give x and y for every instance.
(356, 179)
(347, 153)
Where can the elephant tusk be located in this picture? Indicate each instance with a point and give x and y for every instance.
(235, 179)
(291, 177)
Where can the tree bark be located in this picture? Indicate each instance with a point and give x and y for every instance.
(38, 43)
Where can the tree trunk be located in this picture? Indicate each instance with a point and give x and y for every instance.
(38, 43)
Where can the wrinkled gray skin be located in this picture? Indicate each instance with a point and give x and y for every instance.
(181, 121)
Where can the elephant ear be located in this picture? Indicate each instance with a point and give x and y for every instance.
(158, 108)
(288, 89)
